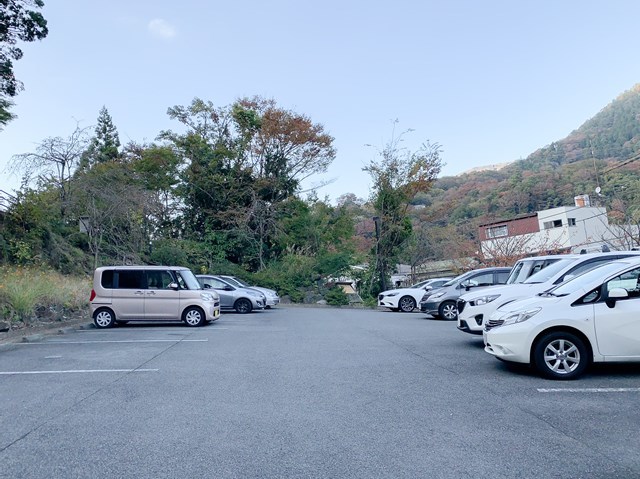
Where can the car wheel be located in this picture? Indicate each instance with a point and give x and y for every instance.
(243, 306)
(448, 310)
(407, 304)
(104, 318)
(561, 355)
(193, 316)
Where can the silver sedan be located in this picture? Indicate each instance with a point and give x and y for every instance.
(242, 300)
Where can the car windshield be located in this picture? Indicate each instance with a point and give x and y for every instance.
(584, 280)
(549, 272)
(235, 281)
(189, 281)
(419, 285)
(457, 279)
(514, 277)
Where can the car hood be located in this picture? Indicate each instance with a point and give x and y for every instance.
(521, 289)
(265, 290)
(405, 291)
(527, 303)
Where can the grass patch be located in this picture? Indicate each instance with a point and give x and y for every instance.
(27, 294)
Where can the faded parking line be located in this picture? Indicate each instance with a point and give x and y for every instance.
(589, 390)
(71, 371)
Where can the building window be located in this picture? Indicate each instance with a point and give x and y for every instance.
(571, 221)
(497, 231)
(552, 224)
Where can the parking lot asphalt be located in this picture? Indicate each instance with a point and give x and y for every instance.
(305, 392)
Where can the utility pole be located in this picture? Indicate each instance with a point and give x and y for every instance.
(379, 262)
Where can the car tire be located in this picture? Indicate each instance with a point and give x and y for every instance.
(243, 306)
(406, 304)
(193, 316)
(104, 318)
(560, 355)
(448, 310)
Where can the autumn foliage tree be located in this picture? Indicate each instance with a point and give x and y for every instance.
(239, 163)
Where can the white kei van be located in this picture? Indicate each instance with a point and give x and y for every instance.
(150, 293)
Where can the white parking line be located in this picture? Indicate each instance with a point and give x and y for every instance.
(590, 390)
(14, 373)
(122, 341)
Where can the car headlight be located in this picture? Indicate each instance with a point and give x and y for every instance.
(484, 299)
(519, 316)
(209, 297)
(436, 295)
(391, 294)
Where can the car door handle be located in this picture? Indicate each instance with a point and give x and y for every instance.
(151, 292)
(140, 293)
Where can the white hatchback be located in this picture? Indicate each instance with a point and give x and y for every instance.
(594, 317)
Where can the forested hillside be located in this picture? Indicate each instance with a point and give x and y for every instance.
(594, 155)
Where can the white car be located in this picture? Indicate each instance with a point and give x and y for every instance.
(594, 317)
(407, 299)
(474, 308)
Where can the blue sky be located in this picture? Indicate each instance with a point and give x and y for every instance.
(489, 81)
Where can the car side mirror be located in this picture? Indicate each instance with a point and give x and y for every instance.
(207, 286)
(174, 286)
(228, 288)
(615, 295)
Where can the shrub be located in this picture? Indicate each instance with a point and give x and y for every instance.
(335, 296)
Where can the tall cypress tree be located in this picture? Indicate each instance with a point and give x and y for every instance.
(105, 144)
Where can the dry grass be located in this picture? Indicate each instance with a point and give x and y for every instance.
(29, 293)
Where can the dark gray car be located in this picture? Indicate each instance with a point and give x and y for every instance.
(442, 302)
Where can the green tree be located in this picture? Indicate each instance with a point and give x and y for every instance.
(20, 20)
(397, 175)
(105, 145)
(156, 168)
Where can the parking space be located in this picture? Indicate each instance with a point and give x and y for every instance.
(305, 392)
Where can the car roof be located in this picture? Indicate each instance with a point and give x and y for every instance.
(549, 256)
(142, 266)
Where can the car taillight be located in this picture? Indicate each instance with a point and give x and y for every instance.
(93, 295)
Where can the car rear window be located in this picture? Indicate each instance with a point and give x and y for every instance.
(107, 279)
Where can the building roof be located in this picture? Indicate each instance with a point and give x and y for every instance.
(515, 218)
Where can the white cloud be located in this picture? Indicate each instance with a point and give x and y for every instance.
(161, 28)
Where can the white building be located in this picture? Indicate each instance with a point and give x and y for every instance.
(564, 229)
